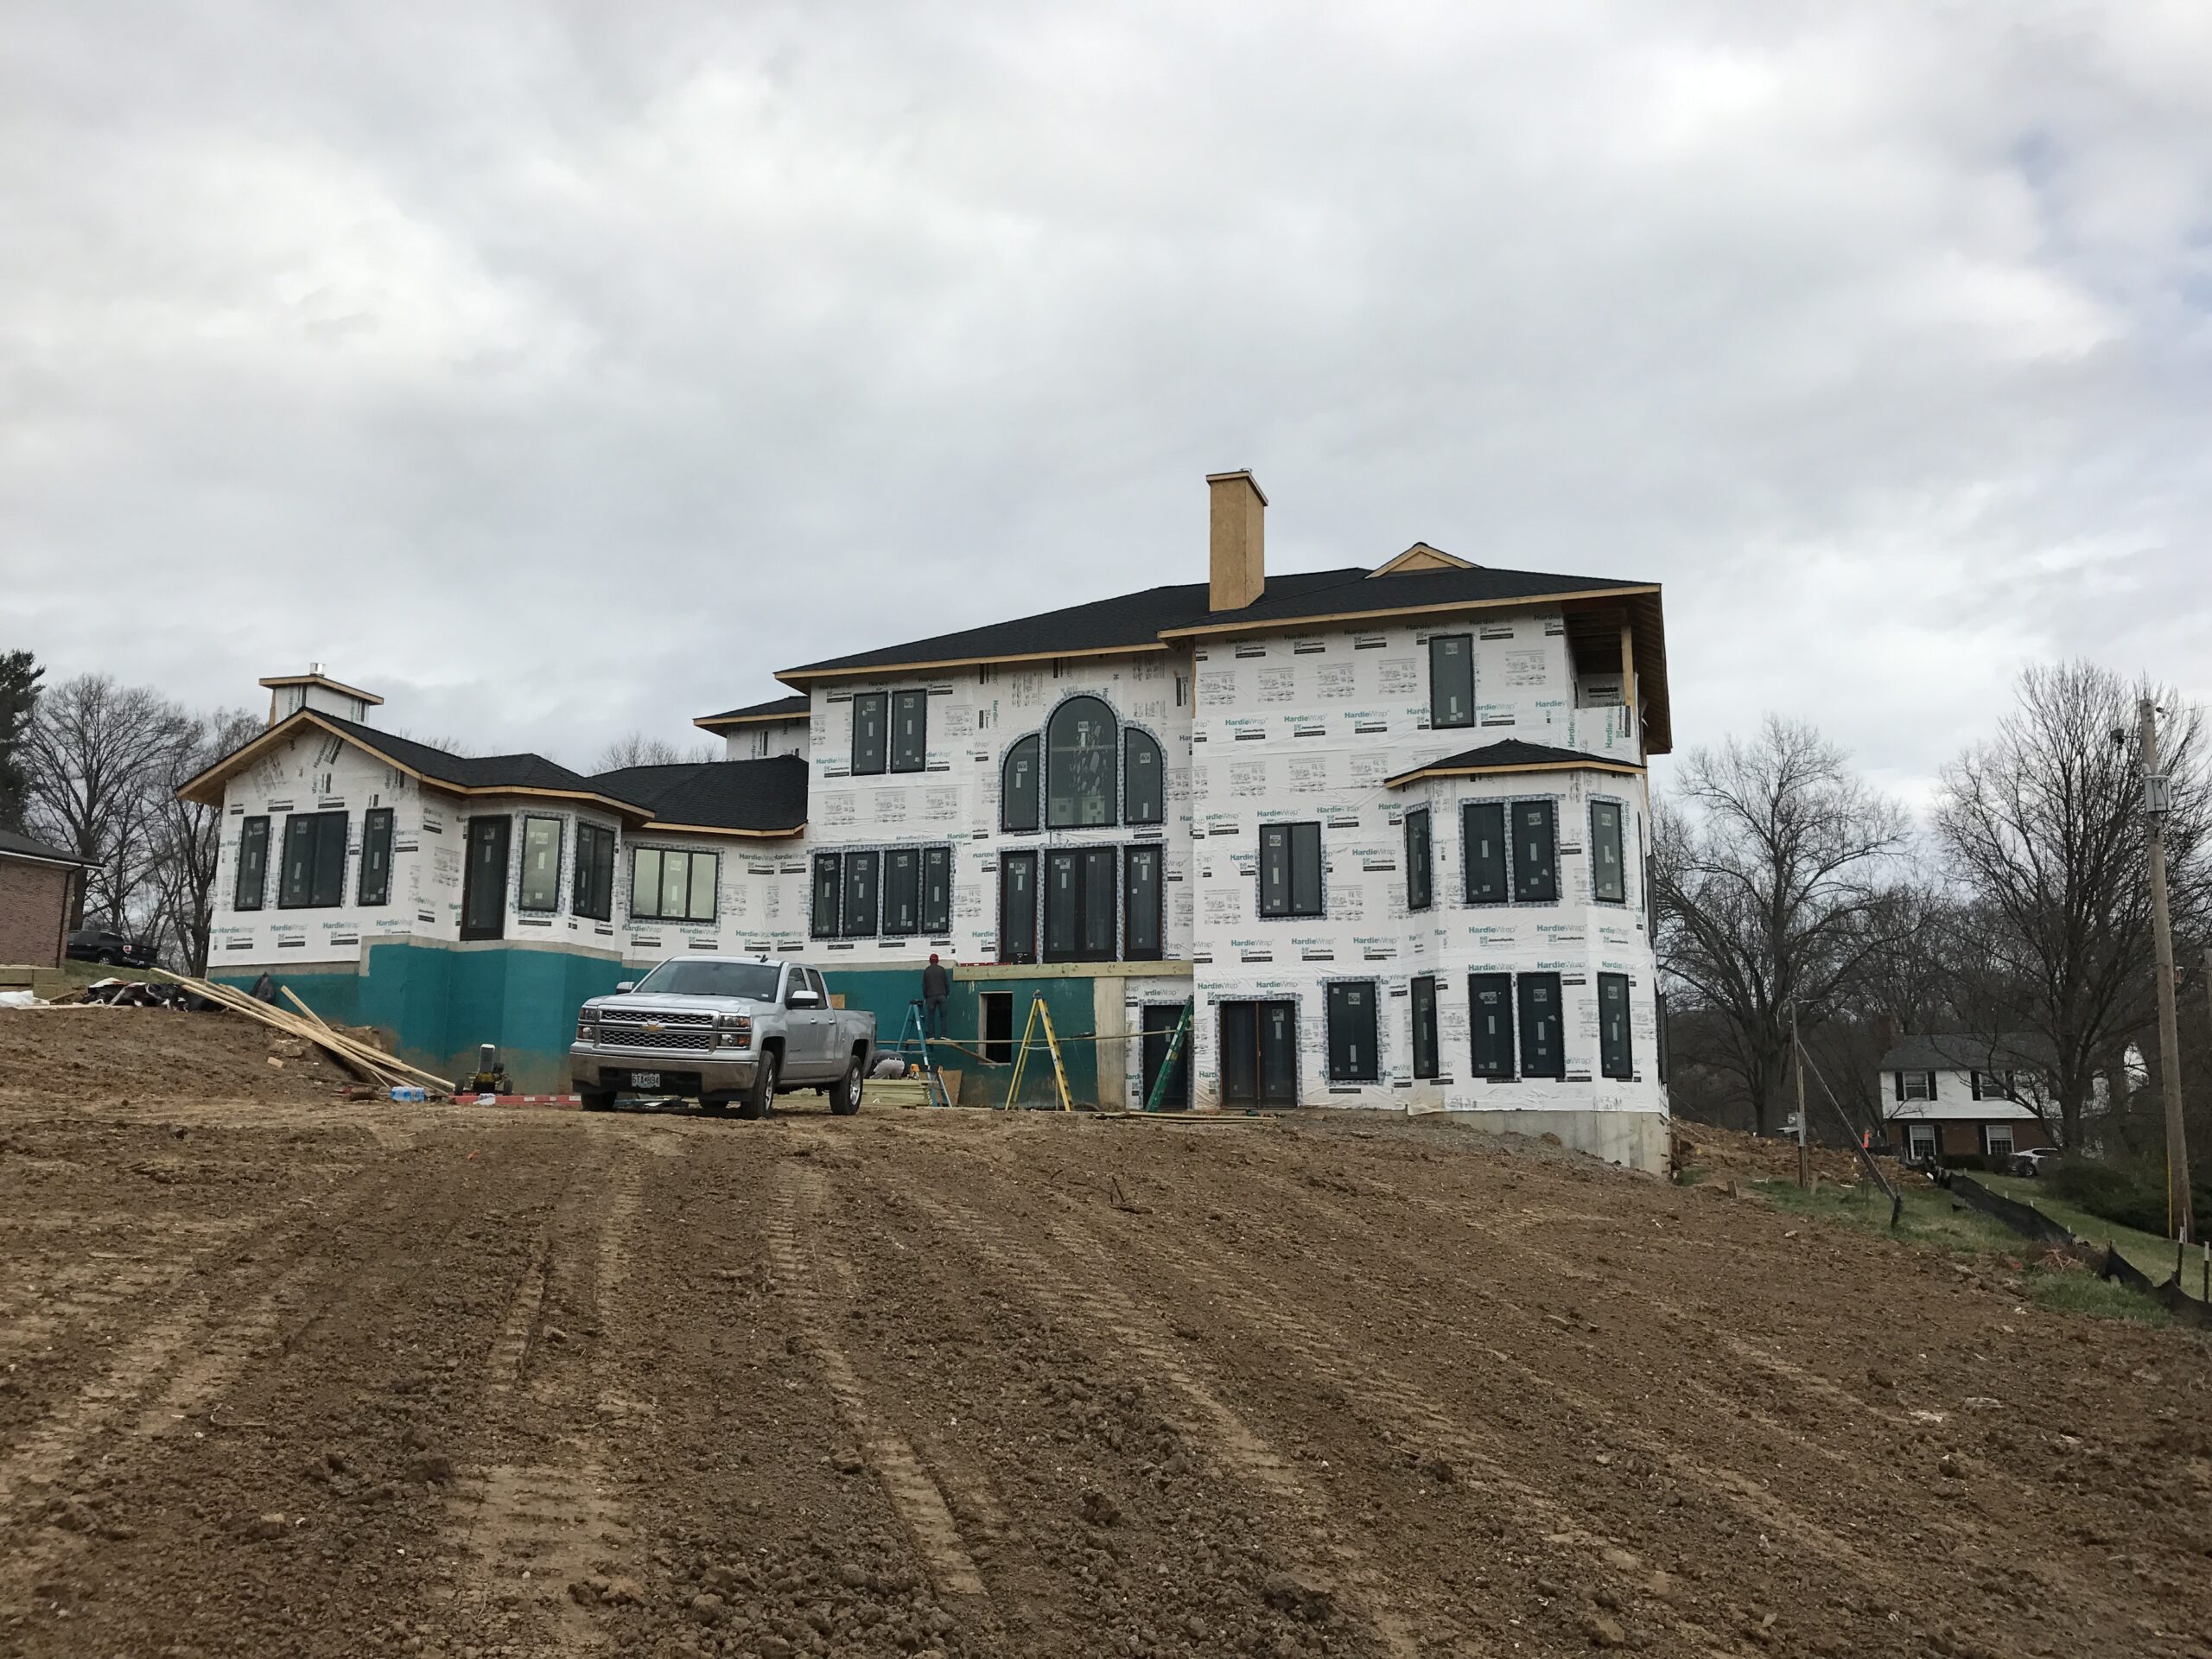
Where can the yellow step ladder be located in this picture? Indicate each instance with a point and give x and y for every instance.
(1039, 1014)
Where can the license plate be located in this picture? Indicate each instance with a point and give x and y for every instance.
(644, 1079)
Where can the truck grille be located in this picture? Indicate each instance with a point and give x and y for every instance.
(630, 1017)
(687, 1042)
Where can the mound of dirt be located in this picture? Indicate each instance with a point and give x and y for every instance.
(90, 1052)
(1725, 1152)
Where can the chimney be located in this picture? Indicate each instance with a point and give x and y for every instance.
(1239, 540)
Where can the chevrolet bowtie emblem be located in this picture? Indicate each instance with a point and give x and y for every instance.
(652, 1025)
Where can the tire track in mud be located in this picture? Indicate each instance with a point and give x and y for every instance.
(913, 1495)
(531, 1532)
(1208, 1421)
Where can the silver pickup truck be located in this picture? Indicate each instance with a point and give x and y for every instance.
(719, 1029)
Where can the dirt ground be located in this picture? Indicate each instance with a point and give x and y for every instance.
(301, 1375)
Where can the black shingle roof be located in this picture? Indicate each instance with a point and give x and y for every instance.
(791, 708)
(760, 795)
(31, 847)
(2003, 1051)
(1141, 618)
(1509, 751)
(471, 771)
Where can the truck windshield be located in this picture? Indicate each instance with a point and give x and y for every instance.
(756, 980)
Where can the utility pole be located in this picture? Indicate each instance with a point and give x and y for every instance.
(2157, 795)
(1797, 1049)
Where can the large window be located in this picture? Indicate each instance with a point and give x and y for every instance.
(314, 872)
(1421, 892)
(902, 892)
(870, 715)
(1017, 907)
(1426, 1063)
(1351, 1033)
(593, 892)
(1079, 765)
(1536, 853)
(253, 865)
(1916, 1085)
(910, 731)
(541, 865)
(863, 872)
(1482, 851)
(1079, 904)
(937, 890)
(828, 877)
(1141, 891)
(1452, 680)
(1608, 866)
(1615, 1054)
(1144, 777)
(1997, 1140)
(1490, 1017)
(667, 885)
(376, 856)
(1018, 786)
(1543, 1040)
(1290, 869)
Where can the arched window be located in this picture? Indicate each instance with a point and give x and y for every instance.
(1144, 777)
(1079, 765)
(1018, 786)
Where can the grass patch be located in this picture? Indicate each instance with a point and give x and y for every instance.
(2153, 1255)
(1694, 1175)
(2104, 1298)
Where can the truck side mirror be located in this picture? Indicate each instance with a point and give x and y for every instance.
(626, 985)
(801, 1000)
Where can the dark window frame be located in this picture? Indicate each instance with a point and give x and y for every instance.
(591, 894)
(1131, 950)
(1522, 985)
(886, 926)
(1518, 878)
(1420, 863)
(1068, 709)
(917, 758)
(871, 860)
(552, 906)
(1132, 737)
(1008, 863)
(1428, 1047)
(1436, 721)
(1292, 834)
(325, 885)
(935, 921)
(1086, 862)
(376, 858)
(690, 882)
(1469, 864)
(872, 765)
(253, 856)
(1332, 992)
(1504, 1046)
(1035, 744)
(1619, 811)
(834, 865)
(1616, 1059)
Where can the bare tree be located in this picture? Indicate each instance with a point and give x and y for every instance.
(186, 835)
(93, 756)
(635, 749)
(1777, 869)
(2042, 830)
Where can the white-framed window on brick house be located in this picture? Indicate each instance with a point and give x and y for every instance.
(1997, 1140)
(1916, 1085)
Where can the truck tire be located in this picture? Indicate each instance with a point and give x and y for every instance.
(759, 1101)
(845, 1093)
(596, 1100)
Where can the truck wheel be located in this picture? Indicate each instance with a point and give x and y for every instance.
(596, 1100)
(759, 1101)
(845, 1093)
(713, 1105)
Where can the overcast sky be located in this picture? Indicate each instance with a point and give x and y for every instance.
(556, 371)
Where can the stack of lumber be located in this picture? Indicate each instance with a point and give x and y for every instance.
(354, 1055)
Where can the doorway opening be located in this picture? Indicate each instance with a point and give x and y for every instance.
(1259, 1054)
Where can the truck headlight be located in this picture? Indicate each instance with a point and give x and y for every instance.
(588, 1025)
(733, 1030)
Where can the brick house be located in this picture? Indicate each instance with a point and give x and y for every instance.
(1965, 1094)
(36, 885)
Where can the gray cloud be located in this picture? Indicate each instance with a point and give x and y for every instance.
(557, 371)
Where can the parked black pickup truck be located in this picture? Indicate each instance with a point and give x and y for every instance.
(99, 944)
